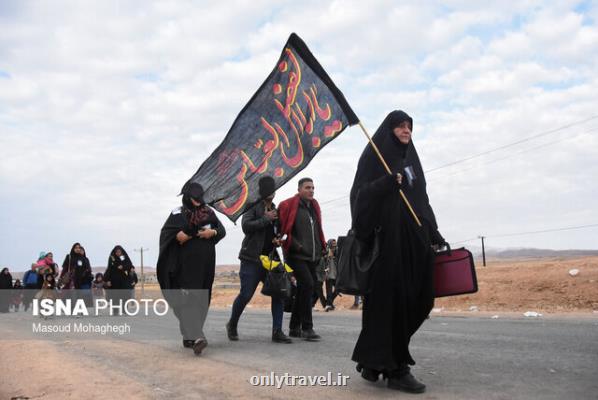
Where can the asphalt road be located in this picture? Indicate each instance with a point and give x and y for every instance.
(457, 357)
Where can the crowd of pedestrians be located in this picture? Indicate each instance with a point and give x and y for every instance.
(400, 293)
(74, 280)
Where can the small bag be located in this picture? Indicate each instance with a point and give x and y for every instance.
(355, 260)
(277, 283)
(454, 273)
(65, 279)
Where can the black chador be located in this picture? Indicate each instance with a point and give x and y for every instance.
(117, 275)
(119, 268)
(190, 264)
(401, 287)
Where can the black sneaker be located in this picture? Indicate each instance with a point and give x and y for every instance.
(231, 332)
(406, 383)
(188, 343)
(278, 336)
(310, 335)
(368, 373)
(295, 333)
(199, 345)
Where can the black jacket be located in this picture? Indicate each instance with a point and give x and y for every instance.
(306, 243)
(254, 224)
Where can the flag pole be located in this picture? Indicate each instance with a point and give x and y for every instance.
(389, 172)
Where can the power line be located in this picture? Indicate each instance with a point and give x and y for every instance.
(529, 232)
(499, 148)
(513, 143)
(513, 155)
(544, 231)
(465, 241)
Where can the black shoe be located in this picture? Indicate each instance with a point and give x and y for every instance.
(188, 343)
(295, 333)
(406, 383)
(231, 332)
(199, 345)
(368, 374)
(278, 336)
(310, 335)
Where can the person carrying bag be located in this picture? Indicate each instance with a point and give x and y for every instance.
(277, 282)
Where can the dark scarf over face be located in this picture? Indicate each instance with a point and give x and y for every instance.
(401, 158)
(199, 216)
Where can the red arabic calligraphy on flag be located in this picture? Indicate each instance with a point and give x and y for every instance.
(294, 114)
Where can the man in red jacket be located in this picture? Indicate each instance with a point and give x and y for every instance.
(301, 220)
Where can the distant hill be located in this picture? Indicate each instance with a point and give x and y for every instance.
(538, 253)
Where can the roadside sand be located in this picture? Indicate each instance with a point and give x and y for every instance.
(542, 285)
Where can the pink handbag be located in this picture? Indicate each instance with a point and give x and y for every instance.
(454, 273)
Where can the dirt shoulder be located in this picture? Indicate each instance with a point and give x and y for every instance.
(541, 285)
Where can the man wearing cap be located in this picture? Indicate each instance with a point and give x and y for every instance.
(260, 225)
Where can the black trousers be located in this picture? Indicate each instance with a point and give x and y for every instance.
(318, 294)
(330, 292)
(304, 272)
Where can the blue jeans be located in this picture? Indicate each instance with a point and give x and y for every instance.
(251, 273)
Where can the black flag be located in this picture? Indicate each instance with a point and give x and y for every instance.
(294, 113)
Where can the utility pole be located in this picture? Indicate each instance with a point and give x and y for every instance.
(141, 250)
(483, 250)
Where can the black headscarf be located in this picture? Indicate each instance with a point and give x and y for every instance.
(71, 260)
(196, 216)
(78, 265)
(267, 186)
(401, 158)
(113, 260)
(5, 279)
(72, 252)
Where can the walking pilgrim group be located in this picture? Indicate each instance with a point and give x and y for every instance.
(74, 279)
(400, 295)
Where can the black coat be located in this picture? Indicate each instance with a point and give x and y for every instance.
(401, 287)
(118, 277)
(254, 225)
(5, 281)
(79, 267)
(191, 265)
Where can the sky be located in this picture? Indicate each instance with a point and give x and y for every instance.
(107, 108)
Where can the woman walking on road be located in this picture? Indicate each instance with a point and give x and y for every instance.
(187, 261)
(401, 291)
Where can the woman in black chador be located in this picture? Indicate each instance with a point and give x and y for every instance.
(76, 274)
(116, 277)
(5, 292)
(76, 269)
(401, 292)
(187, 261)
